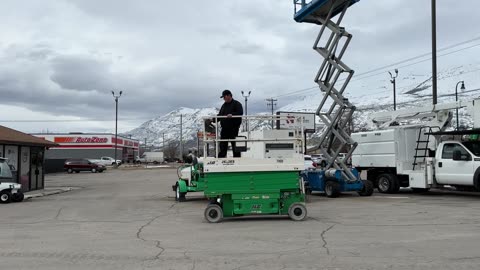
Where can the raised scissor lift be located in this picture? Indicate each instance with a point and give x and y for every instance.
(335, 110)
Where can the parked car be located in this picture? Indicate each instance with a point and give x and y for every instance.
(309, 163)
(78, 165)
(9, 190)
(106, 161)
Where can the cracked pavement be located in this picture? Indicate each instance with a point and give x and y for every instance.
(129, 220)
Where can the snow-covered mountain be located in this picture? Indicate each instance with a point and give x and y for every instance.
(369, 96)
(169, 126)
(413, 90)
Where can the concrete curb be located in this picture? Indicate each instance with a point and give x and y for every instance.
(48, 192)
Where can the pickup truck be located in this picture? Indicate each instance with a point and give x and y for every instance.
(402, 158)
(106, 161)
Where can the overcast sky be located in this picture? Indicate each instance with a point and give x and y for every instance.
(60, 60)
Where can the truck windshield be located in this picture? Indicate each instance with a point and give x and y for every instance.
(5, 172)
(474, 147)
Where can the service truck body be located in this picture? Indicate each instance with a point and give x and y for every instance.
(388, 157)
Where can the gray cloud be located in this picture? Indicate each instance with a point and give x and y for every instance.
(166, 55)
(80, 73)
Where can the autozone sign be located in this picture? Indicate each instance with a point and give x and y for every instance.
(93, 139)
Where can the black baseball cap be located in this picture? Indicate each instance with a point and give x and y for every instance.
(226, 93)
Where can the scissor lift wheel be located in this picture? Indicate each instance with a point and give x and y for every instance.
(297, 211)
(213, 213)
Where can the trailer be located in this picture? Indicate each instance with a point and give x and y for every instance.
(420, 156)
(333, 184)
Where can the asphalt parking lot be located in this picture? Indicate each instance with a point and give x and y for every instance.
(128, 219)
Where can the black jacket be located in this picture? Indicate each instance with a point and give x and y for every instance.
(233, 108)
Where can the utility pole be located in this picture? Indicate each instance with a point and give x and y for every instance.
(198, 143)
(246, 96)
(393, 81)
(434, 52)
(116, 97)
(181, 137)
(456, 99)
(163, 143)
(271, 102)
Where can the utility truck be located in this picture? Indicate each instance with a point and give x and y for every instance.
(151, 157)
(421, 156)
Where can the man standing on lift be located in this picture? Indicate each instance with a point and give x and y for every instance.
(230, 125)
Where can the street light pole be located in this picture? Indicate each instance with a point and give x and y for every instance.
(456, 97)
(434, 51)
(116, 122)
(393, 81)
(246, 96)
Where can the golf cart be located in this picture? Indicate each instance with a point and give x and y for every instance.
(9, 191)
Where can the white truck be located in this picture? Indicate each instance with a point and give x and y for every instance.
(420, 156)
(151, 157)
(106, 161)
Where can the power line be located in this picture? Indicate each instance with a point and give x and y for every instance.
(362, 76)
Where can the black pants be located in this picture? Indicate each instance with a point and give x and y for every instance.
(228, 133)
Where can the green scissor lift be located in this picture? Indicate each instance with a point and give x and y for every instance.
(260, 182)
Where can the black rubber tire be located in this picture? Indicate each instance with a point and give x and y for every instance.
(100, 171)
(213, 213)
(367, 189)
(69, 170)
(332, 189)
(77, 171)
(420, 190)
(5, 197)
(387, 183)
(18, 197)
(179, 196)
(323, 164)
(297, 212)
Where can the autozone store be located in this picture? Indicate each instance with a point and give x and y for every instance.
(91, 145)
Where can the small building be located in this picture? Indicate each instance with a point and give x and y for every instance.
(86, 145)
(25, 154)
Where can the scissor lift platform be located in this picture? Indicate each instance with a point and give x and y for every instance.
(309, 11)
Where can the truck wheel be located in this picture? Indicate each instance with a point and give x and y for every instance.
(5, 197)
(179, 196)
(323, 164)
(69, 170)
(297, 212)
(213, 213)
(388, 183)
(476, 183)
(94, 170)
(332, 189)
(18, 197)
(367, 189)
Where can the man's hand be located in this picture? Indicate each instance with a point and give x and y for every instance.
(229, 115)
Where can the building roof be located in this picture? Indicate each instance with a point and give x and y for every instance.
(11, 136)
